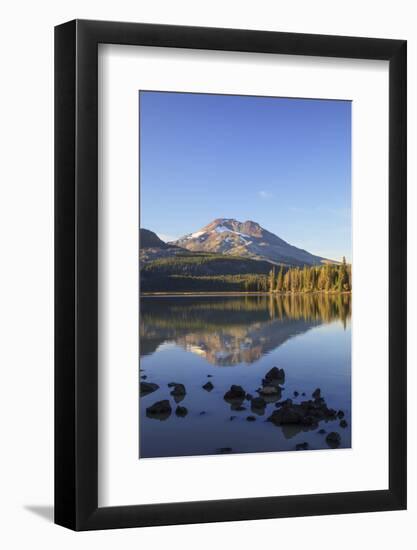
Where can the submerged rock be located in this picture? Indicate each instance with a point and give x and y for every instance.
(181, 411)
(301, 446)
(232, 417)
(296, 394)
(333, 440)
(340, 414)
(235, 397)
(208, 386)
(235, 392)
(343, 424)
(160, 410)
(258, 405)
(147, 387)
(251, 418)
(321, 431)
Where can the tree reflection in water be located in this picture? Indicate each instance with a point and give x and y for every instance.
(230, 330)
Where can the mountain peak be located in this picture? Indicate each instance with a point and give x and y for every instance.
(249, 228)
(246, 239)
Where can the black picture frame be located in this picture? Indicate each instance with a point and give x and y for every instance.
(76, 272)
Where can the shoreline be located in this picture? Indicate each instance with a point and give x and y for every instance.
(237, 293)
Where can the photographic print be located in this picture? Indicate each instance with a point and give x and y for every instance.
(245, 274)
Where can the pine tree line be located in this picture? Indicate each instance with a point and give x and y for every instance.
(331, 278)
(327, 278)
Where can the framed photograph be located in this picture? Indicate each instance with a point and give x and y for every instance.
(230, 247)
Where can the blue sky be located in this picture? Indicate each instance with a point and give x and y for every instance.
(284, 163)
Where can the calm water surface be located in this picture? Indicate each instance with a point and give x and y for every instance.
(237, 340)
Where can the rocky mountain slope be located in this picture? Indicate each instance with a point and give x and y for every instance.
(248, 240)
(153, 248)
(149, 239)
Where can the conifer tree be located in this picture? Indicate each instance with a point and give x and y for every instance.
(280, 280)
(272, 280)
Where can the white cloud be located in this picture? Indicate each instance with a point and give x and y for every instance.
(264, 194)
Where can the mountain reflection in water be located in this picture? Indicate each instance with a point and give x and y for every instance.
(186, 343)
(227, 331)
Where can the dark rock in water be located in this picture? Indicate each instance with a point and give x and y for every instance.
(275, 375)
(209, 376)
(161, 410)
(181, 411)
(343, 424)
(303, 394)
(179, 392)
(333, 440)
(179, 389)
(225, 450)
(202, 412)
(235, 392)
(208, 386)
(258, 403)
(289, 431)
(144, 377)
(232, 417)
(309, 421)
(296, 394)
(301, 446)
(316, 393)
(250, 418)
(307, 414)
(330, 413)
(340, 414)
(322, 431)
(146, 388)
(248, 397)
(235, 397)
(285, 416)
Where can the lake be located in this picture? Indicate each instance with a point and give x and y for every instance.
(237, 340)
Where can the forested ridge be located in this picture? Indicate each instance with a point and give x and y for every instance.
(216, 273)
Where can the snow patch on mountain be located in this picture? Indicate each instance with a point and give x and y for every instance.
(223, 229)
(246, 239)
